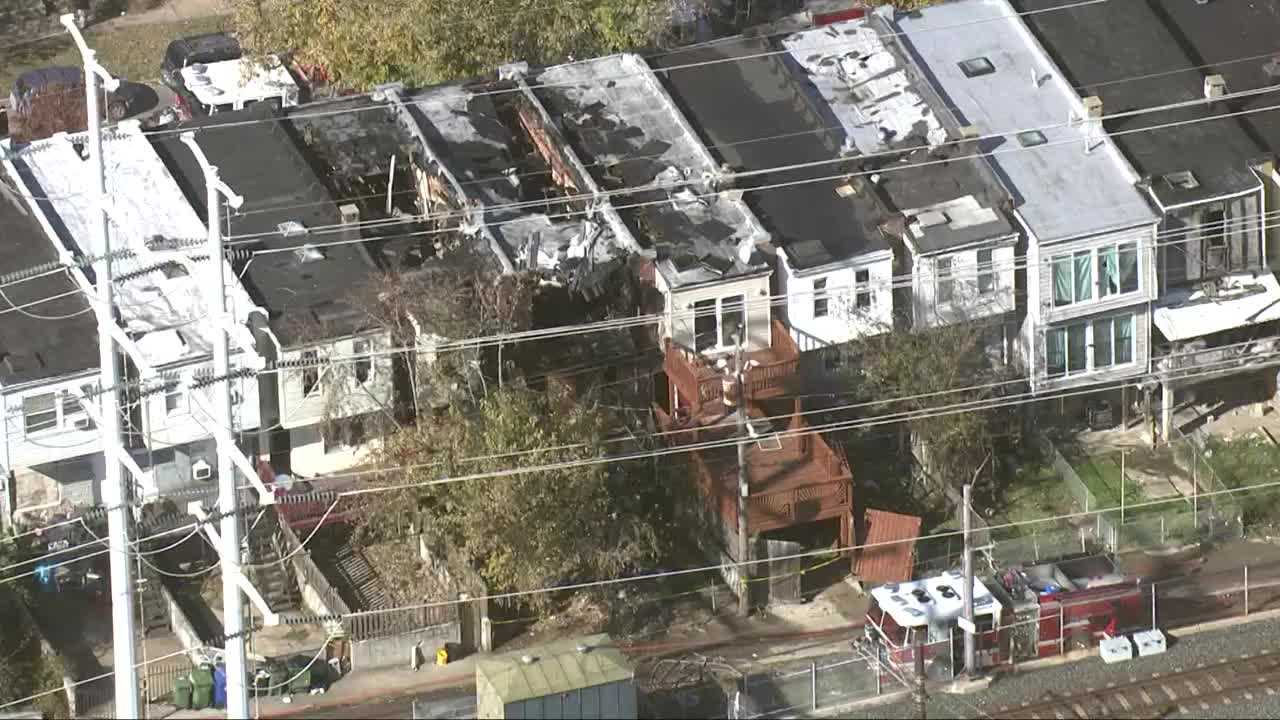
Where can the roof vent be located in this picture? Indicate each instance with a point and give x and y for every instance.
(1272, 68)
(308, 254)
(1182, 180)
(583, 649)
(1215, 87)
(350, 213)
(969, 132)
(1092, 107)
(291, 228)
(527, 659)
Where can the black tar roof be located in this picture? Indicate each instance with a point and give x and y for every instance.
(1099, 44)
(261, 162)
(32, 347)
(733, 105)
(1241, 42)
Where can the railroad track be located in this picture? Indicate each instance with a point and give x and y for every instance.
(1186, 691)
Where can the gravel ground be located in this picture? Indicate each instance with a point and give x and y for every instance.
(1030, 686)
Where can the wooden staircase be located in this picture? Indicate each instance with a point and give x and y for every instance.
(268, 569)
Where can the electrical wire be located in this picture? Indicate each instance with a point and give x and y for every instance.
(95, 678)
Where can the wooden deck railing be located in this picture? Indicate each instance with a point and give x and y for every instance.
(687, 369)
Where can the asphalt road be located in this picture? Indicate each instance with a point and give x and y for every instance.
(1073, 678)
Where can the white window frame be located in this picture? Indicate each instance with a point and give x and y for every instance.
(821, 299)
(43, 425)
(1090, 345)
(366, 362)
(719, 304)
(987, 271)
(1095, 269)
(944, 275)
(311, 364)
(862, 290)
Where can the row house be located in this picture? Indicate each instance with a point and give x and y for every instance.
(1089, 233)
(1227, 319)
(710, 263)
(159, 310)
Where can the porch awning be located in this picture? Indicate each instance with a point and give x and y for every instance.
(1235, 301)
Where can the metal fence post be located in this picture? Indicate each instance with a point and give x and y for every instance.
(879, 689)
(813, 684)
(1162, 529)
(713, 598)
(1062, 629)
(1246, 590)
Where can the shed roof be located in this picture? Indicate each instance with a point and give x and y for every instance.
(557, 667)
(883, 563)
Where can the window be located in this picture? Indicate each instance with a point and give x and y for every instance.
(717, 323)
(1182, 180)
(986, 271)
(70, 404)
(820, 299)
(733, 321)
(174, 399)
(363, 365)
(1031, 138)
(1117, 270)
(1216, 256)
(704, 325)
(310, 373)
(946, 286)
(862, 281)
(1089, 346)
(976, 67)
(343, 434)
(39, 413)
(1113, 341)
(1073, 278)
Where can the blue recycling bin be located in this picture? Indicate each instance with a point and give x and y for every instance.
(220, 686)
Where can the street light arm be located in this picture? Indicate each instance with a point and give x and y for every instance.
(89, 56)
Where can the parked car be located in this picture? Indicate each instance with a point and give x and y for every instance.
(204, 49)
(211, 74)
(52, 100)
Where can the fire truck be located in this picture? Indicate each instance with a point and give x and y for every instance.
(1029, 611)
(924, 614)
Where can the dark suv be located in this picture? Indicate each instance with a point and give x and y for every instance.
(210, 48)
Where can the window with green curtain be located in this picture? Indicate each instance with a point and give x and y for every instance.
(1124, 339)
(1128, 268)
(1076, 347)
(1062, 294)
(1084, 275)
(1055, 342)
(1108, 271)
(1102, 355)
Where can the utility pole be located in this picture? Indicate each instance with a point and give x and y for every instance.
(922, 699)
(115, 491)
(970, 629)
(744, 488)
(228, 502)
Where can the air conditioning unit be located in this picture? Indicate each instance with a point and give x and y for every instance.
(200, 470)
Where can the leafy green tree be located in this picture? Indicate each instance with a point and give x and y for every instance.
(529, 530)
(362, 43)
(924, 370)
(24, 669)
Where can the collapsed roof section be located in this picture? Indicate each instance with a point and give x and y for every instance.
(537, 202)
(618, 117)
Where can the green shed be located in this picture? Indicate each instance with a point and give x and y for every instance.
(574, 678)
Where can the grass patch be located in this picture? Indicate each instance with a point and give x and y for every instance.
(132, 52)
(1034, 491)
(1244, 463)
(1101, 475)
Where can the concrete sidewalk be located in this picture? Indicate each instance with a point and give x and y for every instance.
(353, 689)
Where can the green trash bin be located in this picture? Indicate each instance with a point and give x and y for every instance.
(202, 688)
(300, 671)
(182, 692)
(279, 680)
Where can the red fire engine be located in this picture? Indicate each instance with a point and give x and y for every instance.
(1032, 611)
(926, 613)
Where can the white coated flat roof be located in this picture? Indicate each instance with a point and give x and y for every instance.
(867, 89)
(934, 606)
(240, 80)
(1059, 190)
(163, 308)
(1240, 300)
